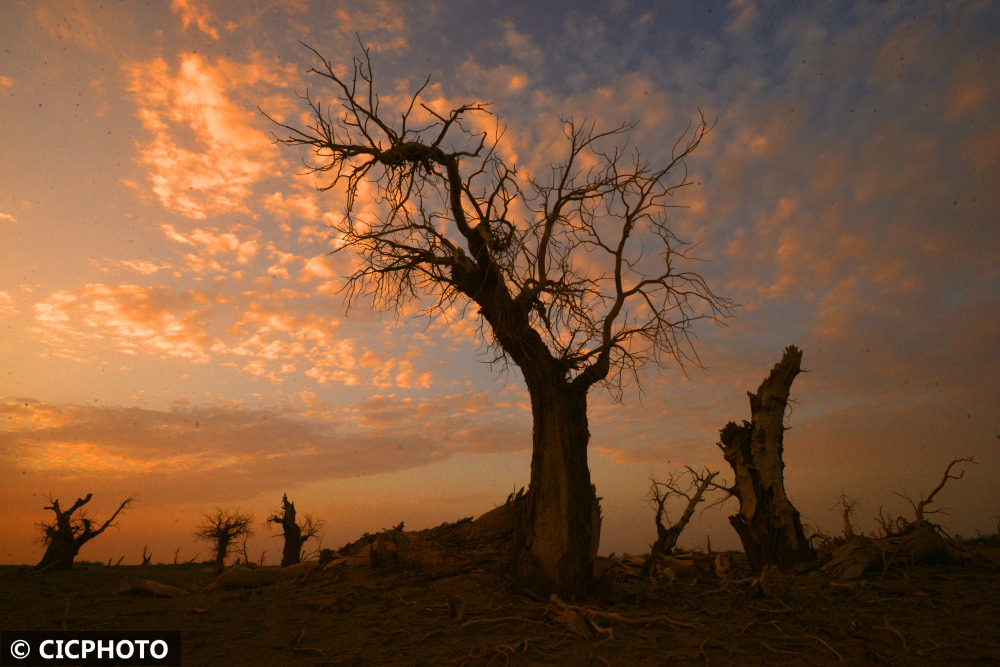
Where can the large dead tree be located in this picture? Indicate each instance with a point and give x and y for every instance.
(68, 533)
(295, 534)
(574, 273)
(767, 523)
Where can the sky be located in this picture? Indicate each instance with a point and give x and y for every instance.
(172, 322)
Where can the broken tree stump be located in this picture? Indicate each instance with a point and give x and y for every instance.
(767, 523)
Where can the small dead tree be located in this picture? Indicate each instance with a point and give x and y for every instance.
(901, 541)
(846, 506)
(295, 535)
(767, 523)
(67, 533)
(920, 506)
(221, 528)
(689, 484)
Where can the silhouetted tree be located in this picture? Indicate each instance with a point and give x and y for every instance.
(295, 535)
(574, 274)
(222, 527)
(64, 536)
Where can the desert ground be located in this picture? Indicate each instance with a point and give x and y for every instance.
(409, 609)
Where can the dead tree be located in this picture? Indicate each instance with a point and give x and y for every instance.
(846, 506)
(693, 491)
(221, 528)
(64, 536)
(901, 541)
(295, 535)
(574, 273)
(920, 506)
(767, 523)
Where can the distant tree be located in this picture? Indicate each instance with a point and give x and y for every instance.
(847, 508)
(574, 273)
(67, 533)
(689, 484)
(221, 528)
(295, 535)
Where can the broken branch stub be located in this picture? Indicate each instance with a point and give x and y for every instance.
(767, 523)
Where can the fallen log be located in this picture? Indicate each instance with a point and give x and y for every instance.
(154, 587)
(923, 545)
(242, 576)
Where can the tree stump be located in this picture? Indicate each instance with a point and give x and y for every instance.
(768, 525)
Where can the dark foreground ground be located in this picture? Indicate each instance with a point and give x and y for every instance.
(358, 615)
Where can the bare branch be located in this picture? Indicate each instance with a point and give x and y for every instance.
(444, 230)
(924, 502)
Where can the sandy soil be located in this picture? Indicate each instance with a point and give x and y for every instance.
(359, 615)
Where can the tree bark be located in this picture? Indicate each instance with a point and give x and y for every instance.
(767, 523)
(563, 520)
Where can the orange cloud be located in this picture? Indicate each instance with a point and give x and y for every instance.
(407, 378)
(148, 319)
(204, 155)
(382, 22)
(217, 251)
(317, 268)
(192, 11)
(282, 207)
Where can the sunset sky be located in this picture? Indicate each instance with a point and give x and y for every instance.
(171, 323)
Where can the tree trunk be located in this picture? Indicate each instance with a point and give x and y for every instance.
(767, 523)
(59, 555)
(291, 531)
(221, 551)
(292, 553)
(563, 521)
